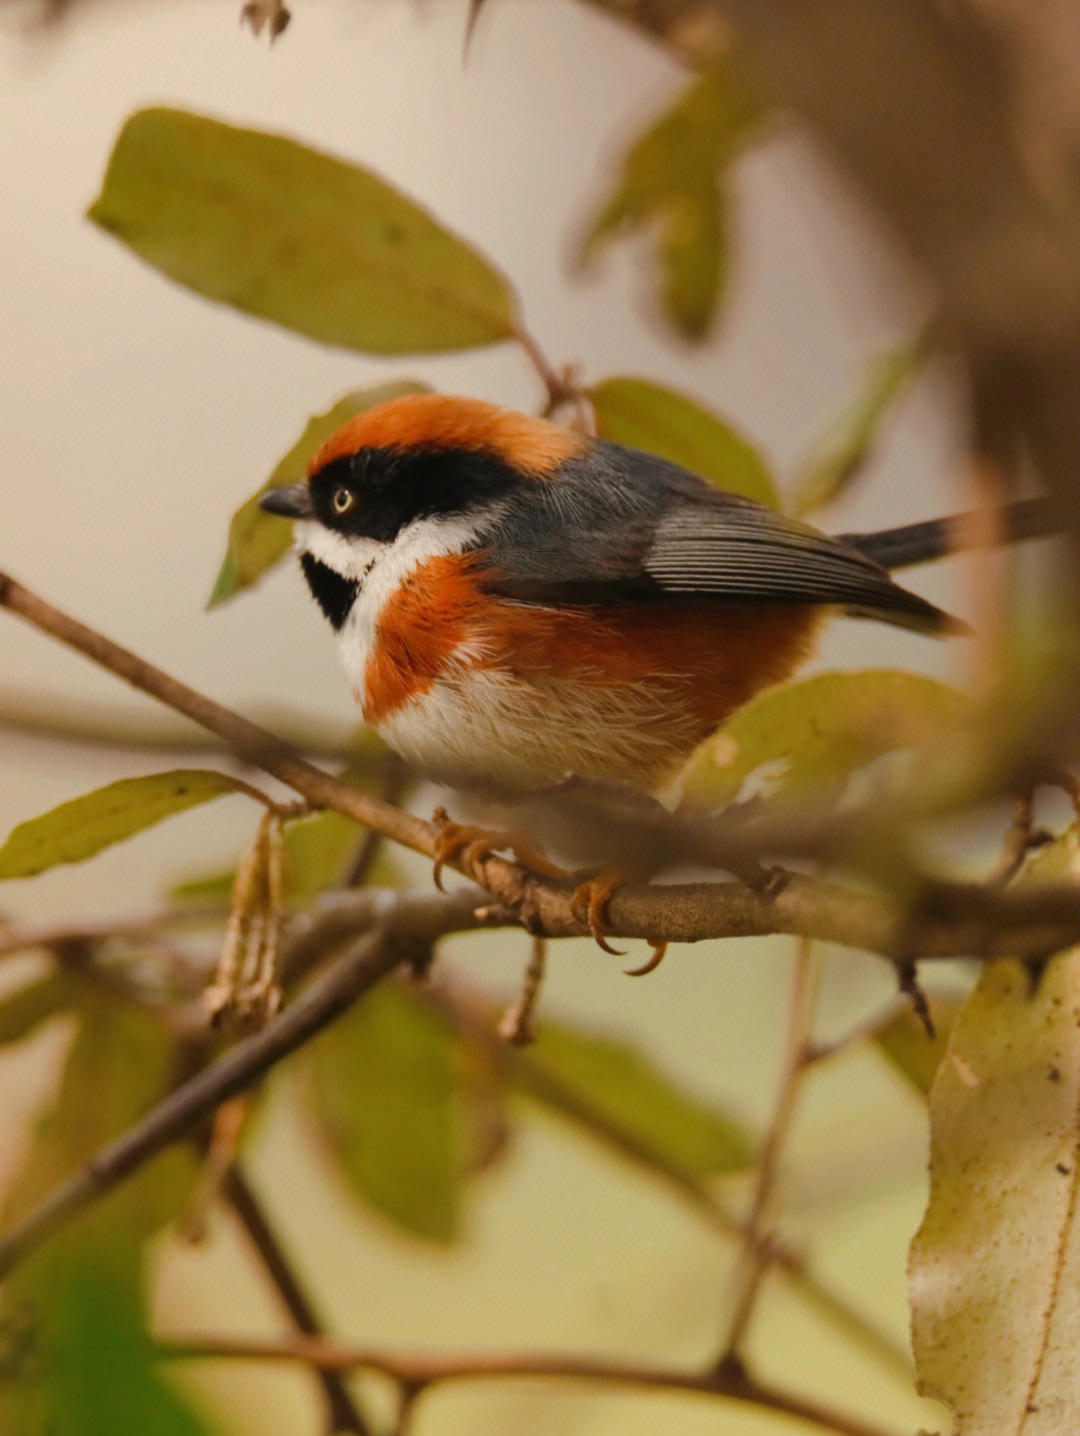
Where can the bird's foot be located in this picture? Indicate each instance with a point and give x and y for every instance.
(467, 846)
(589, 905)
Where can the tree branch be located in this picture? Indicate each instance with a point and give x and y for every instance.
(952, 919)
(417, 1373)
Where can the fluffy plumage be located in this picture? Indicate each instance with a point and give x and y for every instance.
(515, 601)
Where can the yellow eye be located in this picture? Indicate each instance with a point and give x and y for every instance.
(341, 500)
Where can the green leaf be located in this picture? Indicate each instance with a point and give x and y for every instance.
(120, 1062)
(807, 738)
(103, 1374)
(627, 1091)
(205, 888)
(1055, 862)
(912, 1051)
(671, 184)
(850, 439)
(25, 1009)
(645, 416)
(382, 1092)
(97, 1374)
(995, 1269)
(82, 827)
(274, 229)
(258, 540)
(318, 851)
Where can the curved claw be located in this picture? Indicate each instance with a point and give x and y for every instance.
(654, 960)
(589, 904)
(603, 944)
(452, 838)
(477, 844)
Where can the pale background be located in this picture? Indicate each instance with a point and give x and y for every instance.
(135, 417)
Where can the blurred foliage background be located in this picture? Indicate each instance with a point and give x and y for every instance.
(747, 269)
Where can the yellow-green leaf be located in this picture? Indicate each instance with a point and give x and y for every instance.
(32, 1004)
(79, 1362)
(850, 439)
(995, 1268)
(671, 185)
(807, 738)
(644, 415)
(82, 827)
(382, 1093)
(103, 1376)
(1055, 862)
(628, 1092)
(121, 1060)
(318, 850)
(284, 232)
(904, 1040)
(258, 540)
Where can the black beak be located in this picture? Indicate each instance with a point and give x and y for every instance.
(291, 503)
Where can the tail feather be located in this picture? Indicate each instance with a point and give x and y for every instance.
(919, 543)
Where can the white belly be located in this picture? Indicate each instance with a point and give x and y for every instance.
(478, 728)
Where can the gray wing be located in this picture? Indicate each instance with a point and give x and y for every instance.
(622, 527)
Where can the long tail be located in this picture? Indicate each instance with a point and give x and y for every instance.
(919, 543)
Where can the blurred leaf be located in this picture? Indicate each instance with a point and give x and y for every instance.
(850, 439)
(1055, 862)
(624, 1088)
(206, 888)
(381, 1089)
(32, 1004)
(272, 228)
(318, 851)
(671, 182)
(119, 1063)
(82, 827)
(103, 1377)
(808, 737)
(904, 1040)
(995, 1268)
(645, 416)
(257, 540)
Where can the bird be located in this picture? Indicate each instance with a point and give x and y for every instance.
(517, 602)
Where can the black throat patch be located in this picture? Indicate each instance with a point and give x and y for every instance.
(334, 595)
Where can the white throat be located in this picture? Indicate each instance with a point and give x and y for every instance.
(378, 570)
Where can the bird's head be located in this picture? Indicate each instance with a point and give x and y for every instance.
(429, 469)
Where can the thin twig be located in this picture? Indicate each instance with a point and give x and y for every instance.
(342, 1410)
(473, 1015)
(84, 725)
(395, 781)
(25, 939)
(418, 1373)
(1020, 839)
(518, 1023)
(755, 1257)
(561, 389)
